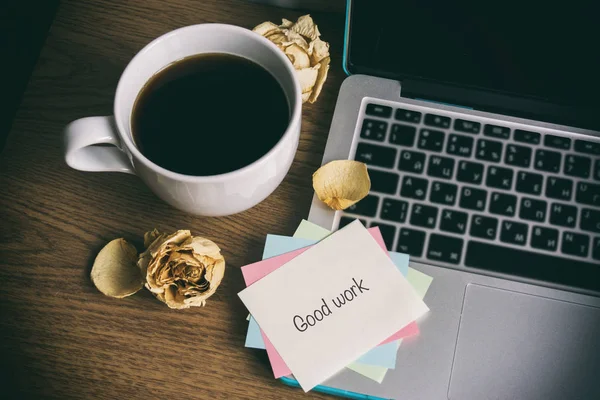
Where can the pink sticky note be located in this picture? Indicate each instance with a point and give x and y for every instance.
(258, 270)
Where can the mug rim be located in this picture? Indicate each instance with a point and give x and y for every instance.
(292, 126)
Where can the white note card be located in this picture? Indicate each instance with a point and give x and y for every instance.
(333, 303)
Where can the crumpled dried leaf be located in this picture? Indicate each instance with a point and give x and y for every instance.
(306, 27)
(114, 272)
(180, 269)
(342, 183)
(308, 53)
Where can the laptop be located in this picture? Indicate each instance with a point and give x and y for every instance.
(480, 125)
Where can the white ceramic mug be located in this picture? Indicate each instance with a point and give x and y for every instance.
(106, 143)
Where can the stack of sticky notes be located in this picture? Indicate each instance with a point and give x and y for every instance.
(321, 302)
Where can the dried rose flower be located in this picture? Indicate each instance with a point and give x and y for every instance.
(301, 43)
(180, 269)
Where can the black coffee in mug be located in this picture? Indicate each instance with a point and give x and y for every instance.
(209, 114)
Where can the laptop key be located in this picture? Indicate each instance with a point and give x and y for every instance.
(503, 204)
(513, 232)
(544, 238)
(558, 142)
(411, 241)
(500, 132)
(414, 188)
(559, 188)
(483, 227)
(590, 220)
(366, 207)
(443, 193)
(444, 248)
(453, 221)
(388, 232)
(520, 262)
(529, 183)
(546, 160)
(431, 140)
(403, 135)
(394, 210)
(597, 170)
(460, 145)
(519, 156)
(532, 209)
(440, 167)
(437, 120)
(372, 154)
(423, 216)
(488, 150)
(469, 172)
(383, 182)
(373, 130)
(587, 147)
(498, 177)
(575, 244)
(466, 126)
(346, 220)
(411, 161)
(378, 110)
(472, 198)
(563, 215)
(408, 116)
(596, 248)
(588, 193)
(578, 166)
(527, 136)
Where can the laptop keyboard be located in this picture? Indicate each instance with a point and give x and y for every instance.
(476, 193)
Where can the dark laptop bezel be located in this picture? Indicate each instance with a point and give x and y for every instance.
(472, 97)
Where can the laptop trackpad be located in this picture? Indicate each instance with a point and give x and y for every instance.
(518, 346)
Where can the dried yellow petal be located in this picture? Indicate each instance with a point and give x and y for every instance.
(342, 183)
(115, 272)
(297, 56)
(319, 51)
(286, 23)
(306, 27)
(321, 77)
(307, 77)
(264, 28)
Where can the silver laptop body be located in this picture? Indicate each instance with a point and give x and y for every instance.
(489, 334)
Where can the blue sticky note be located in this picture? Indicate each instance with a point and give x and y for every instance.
(277, 245)
(254, 338)
(383, 355)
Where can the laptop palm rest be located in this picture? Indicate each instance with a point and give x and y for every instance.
(519, 346)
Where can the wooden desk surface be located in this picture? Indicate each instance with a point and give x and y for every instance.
(61, 338)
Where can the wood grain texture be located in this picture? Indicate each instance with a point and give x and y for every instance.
(61, 338)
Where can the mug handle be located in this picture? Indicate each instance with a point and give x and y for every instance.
(92, 144)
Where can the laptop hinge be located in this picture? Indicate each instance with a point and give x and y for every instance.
(500, 103)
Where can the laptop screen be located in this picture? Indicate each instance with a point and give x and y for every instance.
(538, 49)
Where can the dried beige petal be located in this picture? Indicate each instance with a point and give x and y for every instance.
(264, 28)
(279, 38)
(297, 56)
(286, 23)
(320, 51)
(305, 96)
(295, 38)
(342, 183)
(306, 27)
(114, 272)
(321, 77)
(307, 77)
